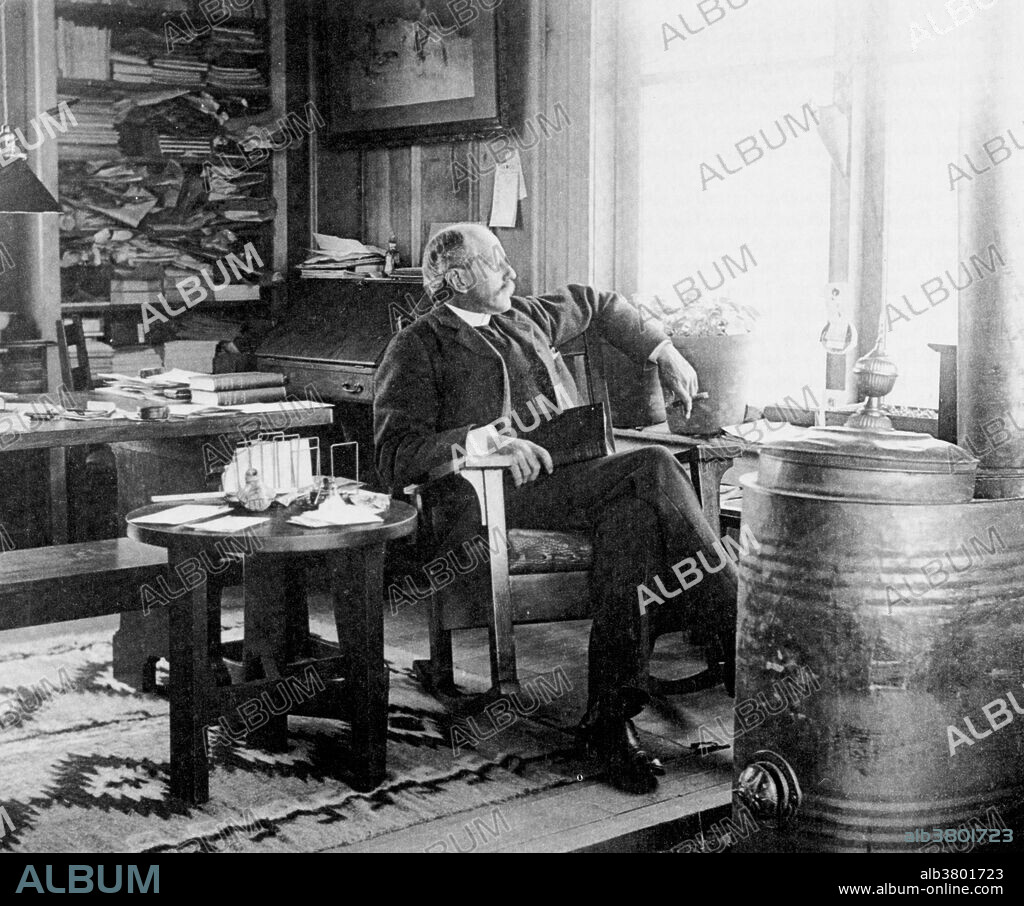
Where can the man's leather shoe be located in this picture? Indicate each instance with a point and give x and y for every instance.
(634, 740)
(614, 740)
(626, 765)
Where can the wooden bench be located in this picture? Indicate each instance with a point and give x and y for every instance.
(43, 585)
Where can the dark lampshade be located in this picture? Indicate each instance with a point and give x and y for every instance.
(22, 193)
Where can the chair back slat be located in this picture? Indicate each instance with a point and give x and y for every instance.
(583, 358)
(70, 334)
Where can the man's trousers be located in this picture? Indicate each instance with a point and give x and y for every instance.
(644, 517)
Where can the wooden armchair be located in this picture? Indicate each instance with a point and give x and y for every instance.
(536, 577)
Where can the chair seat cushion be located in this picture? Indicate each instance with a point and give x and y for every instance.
(532, 551)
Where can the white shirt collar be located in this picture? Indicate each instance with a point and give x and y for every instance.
(472, 318)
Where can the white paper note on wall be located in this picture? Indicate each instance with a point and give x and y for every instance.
(508, 179)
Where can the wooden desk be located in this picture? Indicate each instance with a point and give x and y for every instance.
(153, 457)
(356, 556)
(63, 432)
(17, 433)
(709, 459)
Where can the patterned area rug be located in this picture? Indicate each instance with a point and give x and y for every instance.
(86, 767)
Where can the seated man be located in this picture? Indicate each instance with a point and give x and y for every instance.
(481, 354)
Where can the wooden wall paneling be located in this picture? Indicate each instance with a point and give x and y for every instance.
(400, 203)
(376, 178)
(443, 199)
(339, 190)
(416, 235)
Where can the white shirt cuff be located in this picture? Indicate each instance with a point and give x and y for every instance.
(653, 357)
(482, 441)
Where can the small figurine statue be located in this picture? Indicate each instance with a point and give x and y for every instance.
(391, 257)
(254, 496)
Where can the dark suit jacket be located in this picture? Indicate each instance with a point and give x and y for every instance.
(438, 378)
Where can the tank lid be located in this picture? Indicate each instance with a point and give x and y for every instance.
(881, 466)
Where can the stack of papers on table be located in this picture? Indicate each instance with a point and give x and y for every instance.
(336, 512)
(231, 524)
(182, 515)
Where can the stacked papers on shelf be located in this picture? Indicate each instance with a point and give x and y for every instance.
(336, 258)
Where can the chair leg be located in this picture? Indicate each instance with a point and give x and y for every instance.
(665, 621)
(501, 631)
(437, 675)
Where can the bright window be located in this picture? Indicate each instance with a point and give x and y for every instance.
(922, 124)
(761, 71)
(706, 87)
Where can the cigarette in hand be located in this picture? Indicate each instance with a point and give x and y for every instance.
(697, 396)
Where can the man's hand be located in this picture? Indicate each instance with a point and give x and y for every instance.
(529, 460)
(678, 378)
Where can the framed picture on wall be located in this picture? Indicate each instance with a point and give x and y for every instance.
(413, 71)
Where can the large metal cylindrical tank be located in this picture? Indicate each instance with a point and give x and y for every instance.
(880, 648)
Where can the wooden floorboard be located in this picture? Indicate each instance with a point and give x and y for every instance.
(572, 818)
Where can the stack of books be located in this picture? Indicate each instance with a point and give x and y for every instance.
(136, 289)
(174, 146)
(238, 292)
(95, 136)
(179, 70)
(128, 68)
(172, 277)
(237, 389)
(236, 78)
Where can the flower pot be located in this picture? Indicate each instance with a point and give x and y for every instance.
(725, 371)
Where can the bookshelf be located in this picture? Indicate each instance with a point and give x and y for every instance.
(119, 15)
(168, 152)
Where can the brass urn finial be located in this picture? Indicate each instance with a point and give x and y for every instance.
(876, 376)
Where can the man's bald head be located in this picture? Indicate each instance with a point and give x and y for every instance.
(466, 266)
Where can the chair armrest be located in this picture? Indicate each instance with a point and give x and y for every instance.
(477, 466)
(491, 461)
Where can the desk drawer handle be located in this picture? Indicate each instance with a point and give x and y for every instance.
(352, 388)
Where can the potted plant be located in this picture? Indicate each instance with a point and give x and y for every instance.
(714, 335)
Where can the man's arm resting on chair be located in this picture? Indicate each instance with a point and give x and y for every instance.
(565, 314)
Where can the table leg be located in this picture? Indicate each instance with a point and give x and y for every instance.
(58, 495)
(358, 580)
(144, 468)
(190, 689)
(275, 605)
(708, 484)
